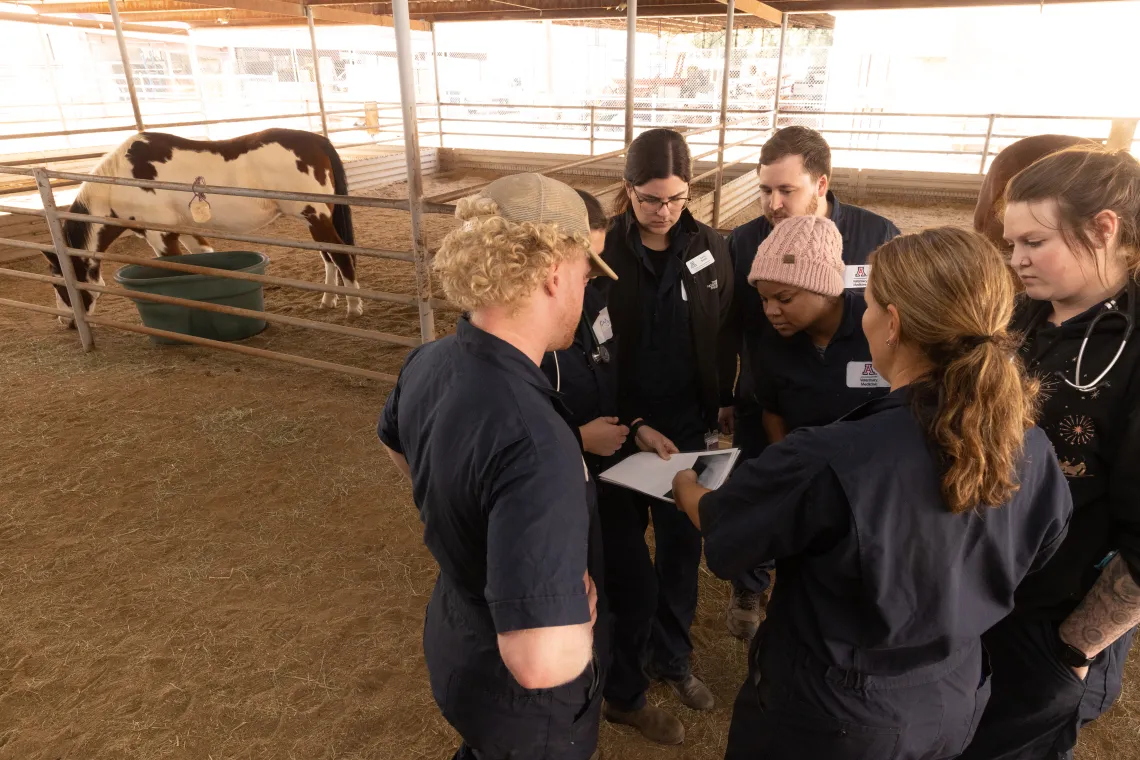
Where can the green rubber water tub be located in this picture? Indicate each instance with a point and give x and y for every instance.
(197, 287)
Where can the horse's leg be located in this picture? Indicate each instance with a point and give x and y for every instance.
(86, 270)
(329, 300)
(322, 231)
(197, 244)
(165, 243)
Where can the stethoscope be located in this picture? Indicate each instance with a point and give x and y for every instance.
(1110, 310)
(600, 355)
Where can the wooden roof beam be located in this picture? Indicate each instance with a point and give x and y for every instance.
(297, 10)
(757, 9)
(86, 23)
(125, 7)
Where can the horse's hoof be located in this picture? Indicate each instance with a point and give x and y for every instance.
(66, 322)
(328, 304)
(355, 308)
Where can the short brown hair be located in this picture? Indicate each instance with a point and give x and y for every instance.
(799, 141)
(955, 300)
(594, 212)
(1085, 181)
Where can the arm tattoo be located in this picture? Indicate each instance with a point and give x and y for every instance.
(1109, 610)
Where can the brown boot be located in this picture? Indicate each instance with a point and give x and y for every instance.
(655, 724)
(693, 692)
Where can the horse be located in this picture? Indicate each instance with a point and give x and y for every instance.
(1006, 165)
(274, 159)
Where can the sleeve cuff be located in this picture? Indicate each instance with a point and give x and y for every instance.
(389, 440)
(542, 612)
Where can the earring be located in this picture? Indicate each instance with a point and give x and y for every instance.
(890, 343)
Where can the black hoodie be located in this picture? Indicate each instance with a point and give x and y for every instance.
(1096, 435)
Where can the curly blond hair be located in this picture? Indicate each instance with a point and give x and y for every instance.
(493, 261)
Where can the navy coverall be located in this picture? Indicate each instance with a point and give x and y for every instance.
(1038, 704)
(508, 513)
(862, 231)
(871, 646)
(807, 388)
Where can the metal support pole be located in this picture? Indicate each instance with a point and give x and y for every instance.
(986, 146)
(779, 71)
(592, 122)
(65, 264)
(630, 69)
(317, 71)
(438, 100)
(126, 65)
(723, 112)
(401, 20)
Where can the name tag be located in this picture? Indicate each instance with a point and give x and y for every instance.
(603, 328)
(863, 375)
(855, 275)
(697, 263)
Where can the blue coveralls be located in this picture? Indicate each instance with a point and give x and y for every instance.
(862, 231)
(871, 647)
(509, 514)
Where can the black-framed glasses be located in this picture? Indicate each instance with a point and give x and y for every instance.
(649, 203)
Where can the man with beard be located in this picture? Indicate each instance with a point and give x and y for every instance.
(497, 474)
(795, 172)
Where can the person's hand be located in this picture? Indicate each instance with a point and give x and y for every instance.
(592, 595)
(603, 436)
(725, 418)
(1082, 672)
(648, 439)
(684, 478)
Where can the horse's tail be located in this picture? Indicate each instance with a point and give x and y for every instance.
(342, 212)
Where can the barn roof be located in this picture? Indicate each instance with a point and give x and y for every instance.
(653, 15)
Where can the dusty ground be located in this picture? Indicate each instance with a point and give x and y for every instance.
(204, 556)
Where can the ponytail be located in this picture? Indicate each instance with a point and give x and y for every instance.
(955, 300)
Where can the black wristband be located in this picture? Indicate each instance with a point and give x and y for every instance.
(634, 427)
(1071, 656)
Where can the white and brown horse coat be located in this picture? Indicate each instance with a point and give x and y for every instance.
(274, 159)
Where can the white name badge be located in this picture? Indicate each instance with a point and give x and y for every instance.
(863, 375)
(603, 329)
(855, 275)
(697, 263)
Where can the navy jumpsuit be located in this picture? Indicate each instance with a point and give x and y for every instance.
(871, 646)
(862, 231)
(1038, 704)
(508, 513)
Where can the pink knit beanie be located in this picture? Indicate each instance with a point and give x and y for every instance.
(804, 251)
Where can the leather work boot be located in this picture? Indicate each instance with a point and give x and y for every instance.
(655, 724)
(743, 616)
(693, 692)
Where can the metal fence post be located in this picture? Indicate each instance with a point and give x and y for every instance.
(65, 263)
(317, 71)
(986, 146)
(723, 112)
(126, 64)
(438, 100)
(630, 68)
(401, 22)
(779, 71)
(592, 109)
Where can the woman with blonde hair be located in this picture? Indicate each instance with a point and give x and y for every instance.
(1073, 222)
(900, 532)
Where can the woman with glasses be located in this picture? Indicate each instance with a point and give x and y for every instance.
(670, 305)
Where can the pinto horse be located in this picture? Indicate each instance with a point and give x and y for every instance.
(1006, 165)
(275, 159)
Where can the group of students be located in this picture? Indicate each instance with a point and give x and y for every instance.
(945, 473)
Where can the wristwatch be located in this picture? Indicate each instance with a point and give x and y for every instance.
(634, 426)
(1071, 656)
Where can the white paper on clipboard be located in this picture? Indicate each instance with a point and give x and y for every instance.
(649, 474)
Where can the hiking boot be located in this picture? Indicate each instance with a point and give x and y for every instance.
(743, 616)
(693, 692)
(655, 724)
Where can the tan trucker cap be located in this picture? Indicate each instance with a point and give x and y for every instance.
(541, 200)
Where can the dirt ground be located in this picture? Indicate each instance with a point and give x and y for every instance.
(205, 556)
